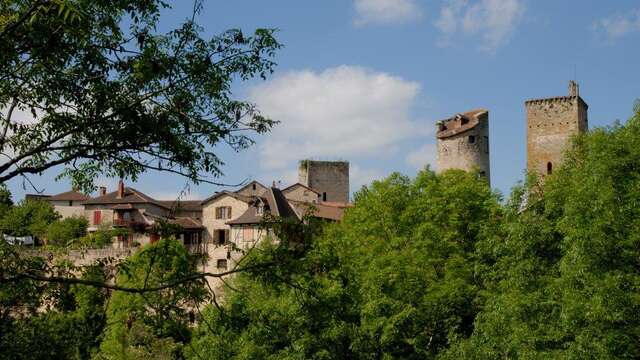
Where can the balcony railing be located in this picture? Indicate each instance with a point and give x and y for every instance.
(127, 222)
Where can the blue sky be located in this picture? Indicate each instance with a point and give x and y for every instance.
(365, 80)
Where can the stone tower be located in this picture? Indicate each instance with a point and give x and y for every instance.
(329, 178)
(463, 142)
(551, 123)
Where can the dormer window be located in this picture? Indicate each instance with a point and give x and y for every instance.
(464, 120)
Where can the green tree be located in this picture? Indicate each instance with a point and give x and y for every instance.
(29, 218)
(68, 330)
(114, 95)
(6, 200)
(398, 278)
(566, 276)
(66, 231)
(152, 324)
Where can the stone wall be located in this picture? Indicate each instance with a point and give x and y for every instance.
(468, 150)
(326, 177)
(550, 125)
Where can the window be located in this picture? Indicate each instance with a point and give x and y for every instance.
(70, 203)
(247, 234)
(464, 120)
(254, 186)
(324, 196)
(221, 264)
(486, 144)
(97, 217)
(221, 236)
(472, 139)
(483, 174)
(223, 212)
(549, 168)
(260, 209)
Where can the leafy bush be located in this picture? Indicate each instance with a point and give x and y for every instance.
(29, 218)
(67, 231)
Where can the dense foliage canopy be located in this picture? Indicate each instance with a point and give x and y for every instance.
(94, 86)
(431, 267)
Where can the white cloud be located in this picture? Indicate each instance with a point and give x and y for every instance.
(425, 155)
(173, 195)
(618, 25)
(340, 113)
(493, 21)
(359, 176)
(385, 11)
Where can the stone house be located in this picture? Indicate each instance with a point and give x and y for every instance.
(130, 209)
(68, 204)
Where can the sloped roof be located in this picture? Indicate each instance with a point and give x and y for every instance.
(292, 187)
(454, 125)
(69, 196)
(184, 205)
(245, 187)
(246, 199)
(186, 222)
(329, 211)
(131, 196)
(278, 206)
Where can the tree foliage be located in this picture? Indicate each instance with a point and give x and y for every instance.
(110, 94)
(152, 325)
(29, 218)
(397, 279)
(67, 231)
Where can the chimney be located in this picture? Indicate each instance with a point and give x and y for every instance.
(102, 191)
(574, 89)
(120, 189)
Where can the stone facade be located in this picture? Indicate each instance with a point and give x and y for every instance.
(551, 123)
(299, 192)
(329, 178)
(463, 142)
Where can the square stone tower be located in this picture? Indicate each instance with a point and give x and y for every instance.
(329, 178)
(463, 142)
(551, 122)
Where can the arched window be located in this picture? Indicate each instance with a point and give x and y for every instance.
(549, 168)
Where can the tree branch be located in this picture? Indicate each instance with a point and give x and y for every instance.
(133, 290)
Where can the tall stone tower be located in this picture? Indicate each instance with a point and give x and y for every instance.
(329, 178)
(551, 123)
(463, 142)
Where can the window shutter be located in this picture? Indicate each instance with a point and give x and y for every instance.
(97, 217)
(217, 213)
(229, 212)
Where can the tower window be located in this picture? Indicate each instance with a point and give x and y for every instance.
(549, 168)
(486, 144)
(324, 196)
(472, 139)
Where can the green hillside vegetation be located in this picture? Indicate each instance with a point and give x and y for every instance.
(432, 267)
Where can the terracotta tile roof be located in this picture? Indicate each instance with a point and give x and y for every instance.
(277, 205)
(131, 196)
(321, 210)
(184, 205)
(69, 196)
(186, 222)
(454, 125)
